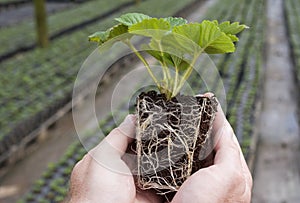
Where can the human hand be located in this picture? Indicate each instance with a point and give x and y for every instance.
(103, 176)
(228, 179)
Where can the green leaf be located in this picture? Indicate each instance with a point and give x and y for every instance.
(130, 19)
(153, 50)
(215, 22)
(232, 28)
(233, 38)
(174, 21)
(99, 37)
(167, 55)
(156, 54)
(173, 42)
(116, 33)
(180, 62)
(153, 27)
(117, 30)
(185, 38)
(170, 59)
(208, 36)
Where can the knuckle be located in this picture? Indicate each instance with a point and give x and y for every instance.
(235, 148)
(80, 165)
(76, 171)
(116, 131)
(248, 197)
(244, 187)
(251, 182)
(249, 179)
(239, 178)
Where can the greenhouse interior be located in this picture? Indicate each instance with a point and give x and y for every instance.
(71, 71)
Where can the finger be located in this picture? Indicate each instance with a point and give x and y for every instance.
(244, 165)
(119, 138)
(219, 121)
(226, 148)
(145, 196)
(108, 153)
(209, 94)
(228, 151)
(247, 176)
(219, 117)
(78, 175)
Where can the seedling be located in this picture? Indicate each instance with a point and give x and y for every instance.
(172, 39)
(173, 130)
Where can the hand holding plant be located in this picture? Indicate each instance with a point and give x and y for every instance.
(103, 176)
(228, 180)
(173, 138)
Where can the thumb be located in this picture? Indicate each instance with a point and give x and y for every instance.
(108, 153)
(120, 137)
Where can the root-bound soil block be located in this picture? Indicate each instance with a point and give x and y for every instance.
(173, 139)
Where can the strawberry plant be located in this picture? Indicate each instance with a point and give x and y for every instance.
(173, 130)
(173, 43)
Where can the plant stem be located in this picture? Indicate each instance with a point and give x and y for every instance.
(128, 43)
(175, 82)
(166, 69)
(166, 72)
(186, 74)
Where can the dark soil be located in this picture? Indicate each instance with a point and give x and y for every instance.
(173, 139)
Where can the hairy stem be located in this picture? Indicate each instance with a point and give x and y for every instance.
(175, 82)
(167, 76)
(128, 43)
(186, 75)
(166, 69)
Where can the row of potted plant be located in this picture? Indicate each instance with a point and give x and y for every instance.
(87, 11)
(53, 185)
(48, 76)
(292, 9)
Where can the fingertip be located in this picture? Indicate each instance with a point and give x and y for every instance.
(127, 127)
(130, 119)
(227, 148)
(209, 94)
(220, 119)
(121, 136)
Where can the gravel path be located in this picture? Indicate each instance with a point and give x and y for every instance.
(276, 177)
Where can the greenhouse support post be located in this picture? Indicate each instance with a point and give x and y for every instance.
(41, 23)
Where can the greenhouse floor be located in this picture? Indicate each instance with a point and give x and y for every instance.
(277, 172)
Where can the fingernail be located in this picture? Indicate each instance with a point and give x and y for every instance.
(209, 94)
(127, 127)
(130, 118)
